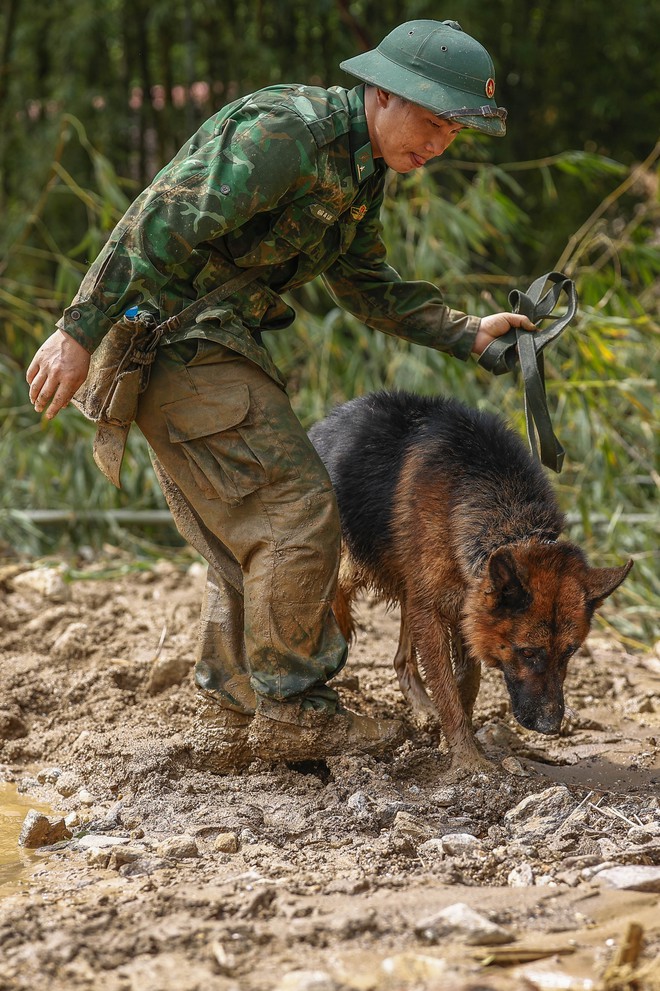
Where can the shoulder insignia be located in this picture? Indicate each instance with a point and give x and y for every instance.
(358, 212)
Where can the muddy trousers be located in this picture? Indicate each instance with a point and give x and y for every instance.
(248, 491)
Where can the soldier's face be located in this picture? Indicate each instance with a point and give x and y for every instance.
(406, 135)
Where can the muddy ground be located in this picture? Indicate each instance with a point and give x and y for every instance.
(330, 876)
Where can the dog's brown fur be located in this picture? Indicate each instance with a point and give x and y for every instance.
(445, 512)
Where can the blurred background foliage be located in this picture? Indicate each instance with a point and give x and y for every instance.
(96, 95)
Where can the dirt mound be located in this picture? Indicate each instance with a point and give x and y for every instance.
(343, 873)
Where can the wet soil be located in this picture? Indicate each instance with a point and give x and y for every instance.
(319, 876)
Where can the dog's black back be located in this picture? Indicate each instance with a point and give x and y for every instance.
(492, 482)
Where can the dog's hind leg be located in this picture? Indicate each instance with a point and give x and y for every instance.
(407, 672)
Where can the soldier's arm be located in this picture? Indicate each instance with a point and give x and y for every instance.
(364, 284)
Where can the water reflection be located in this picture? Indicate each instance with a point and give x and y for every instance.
(15, 861)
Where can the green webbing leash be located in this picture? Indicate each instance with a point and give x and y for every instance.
(501, 354)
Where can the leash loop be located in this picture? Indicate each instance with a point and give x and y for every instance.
(526, 347)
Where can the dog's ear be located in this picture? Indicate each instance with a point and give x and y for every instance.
(601, 582)
(507, 578)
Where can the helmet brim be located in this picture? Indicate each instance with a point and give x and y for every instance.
(377, 70)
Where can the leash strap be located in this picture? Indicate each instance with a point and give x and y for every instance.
(527, 346)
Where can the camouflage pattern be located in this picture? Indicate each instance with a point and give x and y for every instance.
(283, 178)
(248, 491)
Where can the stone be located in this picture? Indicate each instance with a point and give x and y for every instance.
(178, 848)
(460, 844)
(68, 783)
(415, 967)
(433, 848)
(41, 830)
(46, 582)
(521, 876)
(167, 671)
(72, 643)
(543, 812)
(48, 775)
(631, 878)
(100, 841)
(407, 827)
(12, 725)
(226, 843)
(358, 802)
(643, 834)
(307, 980)
(445, 797)
(462, 922)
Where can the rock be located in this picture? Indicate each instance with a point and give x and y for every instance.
(521, 876)
(46, 582)
(100, 841)
(407, 827)
(68, 783)
(358, 802)
(307, 980)
(72, 643)
(84, 797)
(445, 797)
(415, 967)
(226, 843)
(167, 671)
(462, 922)
(12, 725)
(461, 845)
(42, 830)
(544, 812)
(178, 848)
(433, 848)
(631, 878)
(349, 925)
(513, 766)
(643, 834)
(48, 775)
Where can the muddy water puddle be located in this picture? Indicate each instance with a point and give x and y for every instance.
(16, 863)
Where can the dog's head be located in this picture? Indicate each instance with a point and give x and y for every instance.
(528, 614)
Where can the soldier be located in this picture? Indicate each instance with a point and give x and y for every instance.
(279, 187)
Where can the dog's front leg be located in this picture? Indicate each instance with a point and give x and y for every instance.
(407, 672)
(432, 637)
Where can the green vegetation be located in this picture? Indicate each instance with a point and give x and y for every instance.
(474, 228)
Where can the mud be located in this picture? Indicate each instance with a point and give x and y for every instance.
(321, 876)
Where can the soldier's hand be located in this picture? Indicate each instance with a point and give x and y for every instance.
(495, 326)
(57, 370)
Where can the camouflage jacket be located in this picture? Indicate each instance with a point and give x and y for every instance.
(282, 178)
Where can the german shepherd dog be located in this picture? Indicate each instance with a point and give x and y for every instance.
(445, 512)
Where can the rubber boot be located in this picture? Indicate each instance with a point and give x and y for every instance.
(287, 731)
(219, 739)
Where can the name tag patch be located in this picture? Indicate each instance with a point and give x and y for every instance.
(322, 213)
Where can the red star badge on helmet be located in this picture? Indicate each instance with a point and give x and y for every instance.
(490, 88)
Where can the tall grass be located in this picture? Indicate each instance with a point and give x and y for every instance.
(469, 229)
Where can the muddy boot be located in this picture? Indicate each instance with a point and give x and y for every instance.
(286, 731)
(219, 738)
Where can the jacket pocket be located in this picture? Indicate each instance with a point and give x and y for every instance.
(229, 456)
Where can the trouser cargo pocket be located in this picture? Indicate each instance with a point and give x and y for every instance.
(231, 448)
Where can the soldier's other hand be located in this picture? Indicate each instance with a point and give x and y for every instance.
(496, 325)
(57, 370)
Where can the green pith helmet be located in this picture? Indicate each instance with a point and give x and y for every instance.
(438, 66)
